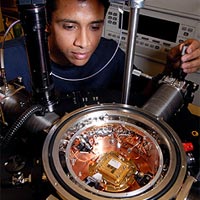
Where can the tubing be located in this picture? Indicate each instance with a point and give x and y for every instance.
(18, 123)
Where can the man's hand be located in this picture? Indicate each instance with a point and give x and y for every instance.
(190, 61)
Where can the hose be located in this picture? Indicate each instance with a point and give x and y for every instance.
(19, 122)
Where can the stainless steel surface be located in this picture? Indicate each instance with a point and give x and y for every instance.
(88, 140)
(183, 194)
(164, 102)
(130, 52)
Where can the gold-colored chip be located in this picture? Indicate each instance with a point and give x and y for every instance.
(116, 171)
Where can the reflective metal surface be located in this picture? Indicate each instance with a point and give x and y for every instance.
(113, 151)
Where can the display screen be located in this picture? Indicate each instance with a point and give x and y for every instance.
(153, 27)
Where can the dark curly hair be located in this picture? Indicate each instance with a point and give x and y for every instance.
(51, 7)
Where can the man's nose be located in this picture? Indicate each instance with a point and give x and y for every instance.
(82, 40)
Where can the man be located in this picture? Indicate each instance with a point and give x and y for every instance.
(80, 57)
(74, 36)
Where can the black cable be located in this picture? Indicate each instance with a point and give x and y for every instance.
(19, 122)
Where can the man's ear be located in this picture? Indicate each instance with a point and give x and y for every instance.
(47, 29)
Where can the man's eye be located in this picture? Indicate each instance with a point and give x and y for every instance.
(95, 27)
(69, 27)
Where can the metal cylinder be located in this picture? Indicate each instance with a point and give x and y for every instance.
(166, 101)
(33, 19)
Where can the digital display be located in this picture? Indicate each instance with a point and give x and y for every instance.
(154, 27)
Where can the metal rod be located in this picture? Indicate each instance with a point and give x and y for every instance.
(130, 52)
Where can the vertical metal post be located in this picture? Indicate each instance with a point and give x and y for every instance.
(33, 19)
(135, 6)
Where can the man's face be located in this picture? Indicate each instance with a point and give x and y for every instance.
(75, 31)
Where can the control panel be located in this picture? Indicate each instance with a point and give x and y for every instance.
(157, 32)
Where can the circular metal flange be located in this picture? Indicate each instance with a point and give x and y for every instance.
(113, 151)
